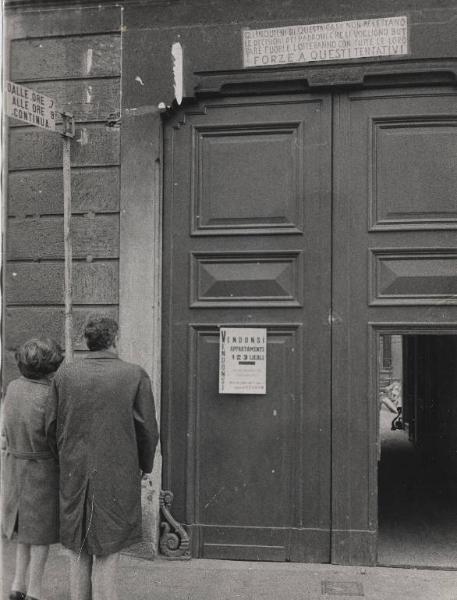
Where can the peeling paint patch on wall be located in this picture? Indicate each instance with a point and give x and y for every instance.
(177, 55)
(89, 60)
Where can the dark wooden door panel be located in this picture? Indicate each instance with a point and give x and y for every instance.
(247, 243)
(394, 265)
(246, 441)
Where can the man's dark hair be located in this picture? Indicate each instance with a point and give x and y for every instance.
(100, 332)
(38, 357)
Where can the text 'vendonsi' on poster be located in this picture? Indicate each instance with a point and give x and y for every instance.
(242, 360)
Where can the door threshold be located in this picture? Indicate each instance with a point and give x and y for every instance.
(420, 567)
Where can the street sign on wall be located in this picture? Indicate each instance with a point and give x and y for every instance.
(30, 106)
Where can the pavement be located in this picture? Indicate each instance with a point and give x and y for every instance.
(201, 579)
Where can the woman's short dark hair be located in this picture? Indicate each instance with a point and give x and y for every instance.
(100, 332)
(38, 357)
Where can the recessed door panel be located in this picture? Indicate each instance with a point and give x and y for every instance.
(412, 163)
(247, 176)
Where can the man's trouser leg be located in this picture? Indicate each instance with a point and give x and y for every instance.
(80, 575)
(105, 575)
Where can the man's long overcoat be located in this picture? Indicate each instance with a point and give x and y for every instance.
(101, 420)
(30, 473)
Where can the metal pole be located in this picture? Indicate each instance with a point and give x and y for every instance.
(68, 133)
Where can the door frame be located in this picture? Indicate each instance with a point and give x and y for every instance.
(347, 547)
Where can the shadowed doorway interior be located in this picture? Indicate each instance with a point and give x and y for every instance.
(417, 468)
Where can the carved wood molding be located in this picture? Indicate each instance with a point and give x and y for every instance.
(174, 540)
(38, 4)
(308, 77)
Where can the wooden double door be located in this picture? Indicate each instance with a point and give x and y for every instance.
(314, 216)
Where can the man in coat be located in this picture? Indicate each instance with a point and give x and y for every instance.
(101, 422)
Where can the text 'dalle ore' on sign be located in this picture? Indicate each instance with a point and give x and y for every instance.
(30, 106)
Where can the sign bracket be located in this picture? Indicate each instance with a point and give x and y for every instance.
(68, 125)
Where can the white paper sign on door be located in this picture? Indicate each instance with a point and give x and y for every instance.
(242, 360)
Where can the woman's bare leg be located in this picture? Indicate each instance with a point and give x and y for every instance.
(38, 557)
(22, 562)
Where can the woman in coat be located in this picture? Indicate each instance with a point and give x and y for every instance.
(30, 475)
